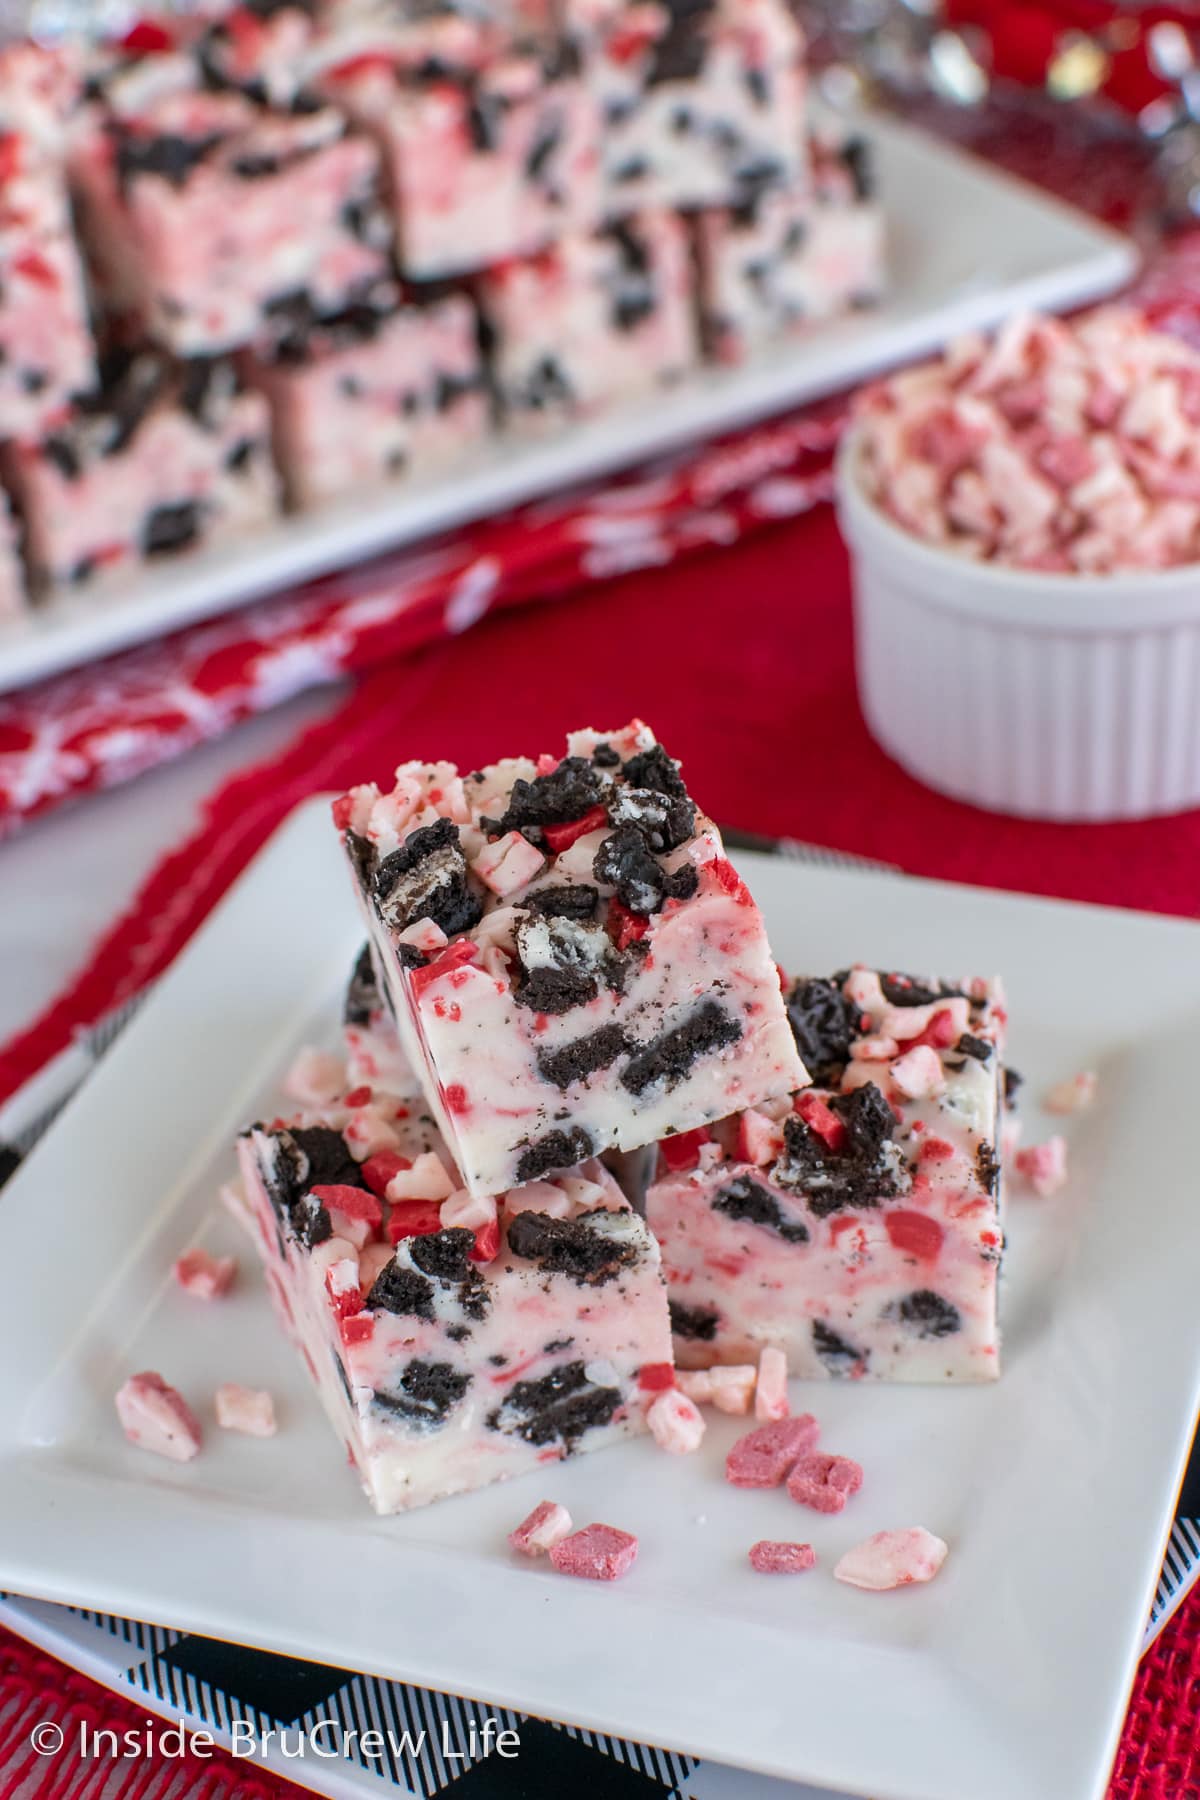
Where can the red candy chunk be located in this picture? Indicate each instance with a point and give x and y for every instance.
(824, 1482)
(655, 1377)
(378, 1170)
(414, 1218)
(764, 1457)
(625, 927)
(343, 811)
(456, 1098)
(356, 1203)
(915, 1233)
(487, 1242)
(781, 1559)
(597, 1553)
(683, 1150)
(939, 1034)
(561, 837)
(454, 956)
(144, 37)
(818, 1117)
(359, 1096)
(728, 878)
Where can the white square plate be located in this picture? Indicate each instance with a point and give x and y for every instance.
(1007, 1676)
(968, 245)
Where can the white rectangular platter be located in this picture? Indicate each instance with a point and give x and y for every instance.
(1054, 1488)
(968, 245)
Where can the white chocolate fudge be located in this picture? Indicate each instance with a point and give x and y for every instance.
(703, 100)
(13, 602)
(468, 1352)
(45, 342)
(789, 258)
(206, 213)
(857, 1228)
(489, 130)
(157, 459)
(573, 963)
(597, 320)
(374, 395)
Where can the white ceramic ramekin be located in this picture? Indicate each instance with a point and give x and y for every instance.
(1048, 696)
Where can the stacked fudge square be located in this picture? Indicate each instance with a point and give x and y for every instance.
(378, 234)
(563, 970)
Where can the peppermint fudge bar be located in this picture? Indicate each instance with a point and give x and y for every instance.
(205, 212)
(857, 1228)
(45, 341)
(488, 127)
(788, 258)
(157, 458)
(451, 1354)
(703, 100)
(596, 320)
(374, 394)
(573, 963)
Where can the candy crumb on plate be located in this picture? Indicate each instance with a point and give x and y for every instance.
(548, 1524)
(203, 1276)
(675, 1423)
(892, 1559)
(771, 1558)
(248, 1410)
(1073, 1095)
(824, 1482)
(764, 1457)
(155, 1417)
(1044, 1166)
(597, 1553)
(770, 1393)
(732, 1386)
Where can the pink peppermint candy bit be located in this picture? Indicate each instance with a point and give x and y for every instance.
(732, 1387)
(597, 1553)
(765, 1456)
(1044, 1166)
(770, 1394)
(892, 1559)
(315, 1078)
(154, 1417)
(781, 1559)
(548, 1524)
(248, 1410)
(675, 1423)
(203, 1276)
(1073, 1095)
(824, 1482)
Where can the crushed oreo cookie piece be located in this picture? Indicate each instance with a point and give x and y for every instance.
(555, 799)
(862, 1174)
(556, 1150)
(557, 1409)
(663, 822)
(362, 1000)
(747, 1199)
(605, 757)
(427, 878)
(838, 1356)
(310, 1221)
(1014, 1081)
(581, 1247)
(987, 1167)
(927, 1314)
(905, 990)
(170, 528)
(576, 1061)
(428, 1391)
(445, 1256)
(693, 1322)
(979, 1048)
(867, 1116)
(575, 900)
(563, 963)
(398, 1289)
(669, 1057)
(824, 1024)
(409, 957)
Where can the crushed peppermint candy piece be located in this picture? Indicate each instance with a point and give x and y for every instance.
(316, 1077)
(892, 1559)
(205, 1277)
(155, 1417)
(248, 1410)
(1044, 1166)
(1073, 1095)
(770, 1393)
(771, 1558)
(824, 1482)
(548, 1524)
(766, 1456)
(675, 1423)
(597, 1553)
(732, 1386)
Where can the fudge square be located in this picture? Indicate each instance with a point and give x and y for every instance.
(451, 1355)
(374, 394)
(599, 318)
(157, 458)
(205, 211)
(574, 964)
(45, 341)
(857, 1228)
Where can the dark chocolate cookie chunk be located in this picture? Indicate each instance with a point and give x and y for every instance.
(694, 1322)
(556, 1150)
(397, 1289)
(569, 900)
(559, 1408)
(747, 1199)
(576, 1061)
(824, 1024)
(987, 1167)
(427, 1392)
(838, 1356)
(927, 1315)
(563, 963)
(426, 878)
(555, 799)
(362, 1000)
(670, 1056)
(581, 1247)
